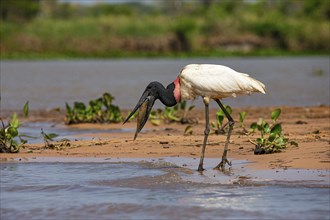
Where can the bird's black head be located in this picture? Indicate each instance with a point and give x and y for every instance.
(153, 91)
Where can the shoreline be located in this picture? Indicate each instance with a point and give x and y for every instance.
(240, 173)
(308, 126)
(272, 53)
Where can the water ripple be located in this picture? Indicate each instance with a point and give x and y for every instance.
(149, 189)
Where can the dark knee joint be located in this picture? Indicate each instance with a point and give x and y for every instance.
(231, 123)
(206, 131)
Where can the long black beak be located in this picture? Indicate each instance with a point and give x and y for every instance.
(145, 106)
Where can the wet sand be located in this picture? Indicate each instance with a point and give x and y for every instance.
(308, 126)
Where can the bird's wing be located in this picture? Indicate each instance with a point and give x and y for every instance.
(216, 81)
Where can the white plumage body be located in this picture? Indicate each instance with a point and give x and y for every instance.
(216, 82)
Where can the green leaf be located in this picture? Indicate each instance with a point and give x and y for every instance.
(266, 128)
(14, 147)
(27, 136)
(242, 116)
(115, 113)
(151, 116)
(260, 128)
(173, 118)
(279, 141)
(285, 140)
(213, 124)
(254, 126)
(23, 141)
(272, 137)
(26, 109)
(2, 134)
(188, 130)
(107, 99)
(14, 121)
(49, 136)
(261, 124)
(275, 114)
(155, 122)
(12, 131)
(80, 116)
(229, 110)
(68, 110)
(277, 129)
(183, 105)
(69, 114)
(191, 107)
(95, 105)
(220, 112)
(220, 119)
(260, 141)
(52, 135)
(79, 106)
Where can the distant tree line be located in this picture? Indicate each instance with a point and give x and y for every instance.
(20, 10)
(40, 28)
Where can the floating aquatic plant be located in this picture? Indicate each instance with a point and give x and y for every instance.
(10, 139)
(100, 110)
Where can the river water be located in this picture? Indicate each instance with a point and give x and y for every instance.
(294, 81)
(163, 188)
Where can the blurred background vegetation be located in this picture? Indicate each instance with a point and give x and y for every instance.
(102, 29)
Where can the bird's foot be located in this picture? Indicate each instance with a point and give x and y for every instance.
(222, 164)
(200, 168)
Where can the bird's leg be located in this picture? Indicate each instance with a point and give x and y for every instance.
(231, 125)
(206, 132)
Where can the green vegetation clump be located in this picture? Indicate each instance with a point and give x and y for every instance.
(10, 139)
(271, 138)
(100, 110)
(53, 29)
(219, 127)
(50, 143)
(8, 136)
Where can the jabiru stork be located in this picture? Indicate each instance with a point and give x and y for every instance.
(206, 80)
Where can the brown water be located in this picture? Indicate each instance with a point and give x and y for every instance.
(295, 81)
(164, 188)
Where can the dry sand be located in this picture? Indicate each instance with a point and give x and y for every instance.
(308, 126)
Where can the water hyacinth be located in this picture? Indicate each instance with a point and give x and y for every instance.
(100, 110)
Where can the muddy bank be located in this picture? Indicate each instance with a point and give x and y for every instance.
(308, 126)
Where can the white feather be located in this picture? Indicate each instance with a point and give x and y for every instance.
(216, 81)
